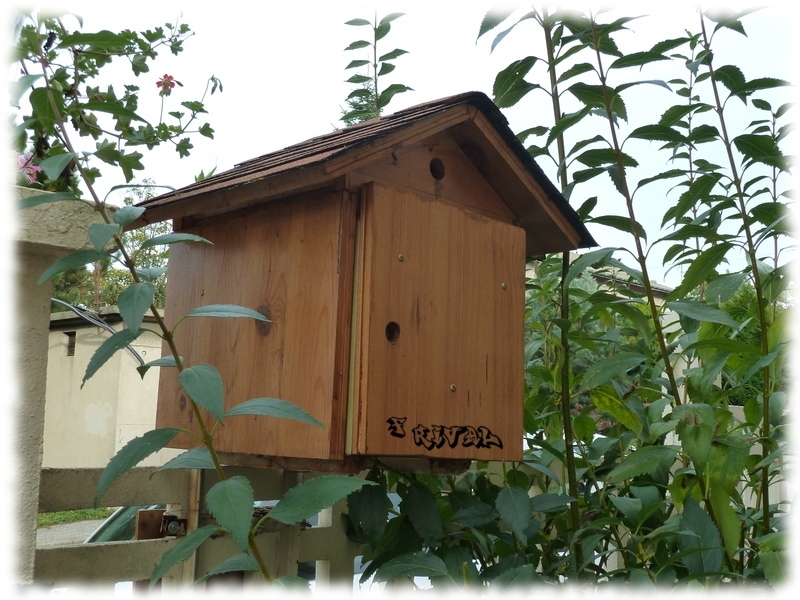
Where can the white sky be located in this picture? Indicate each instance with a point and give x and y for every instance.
(282, 69)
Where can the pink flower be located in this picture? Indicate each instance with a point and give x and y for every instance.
(166, 84)
(27, 167)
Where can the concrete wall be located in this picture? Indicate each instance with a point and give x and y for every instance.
(43, 235)
(85, 427)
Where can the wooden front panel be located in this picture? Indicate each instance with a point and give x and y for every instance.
(441, 341)
(292, 262)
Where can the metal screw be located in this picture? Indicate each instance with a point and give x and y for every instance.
(401, 258)
(503, 285)
(453, 388)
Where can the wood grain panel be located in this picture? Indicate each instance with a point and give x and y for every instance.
(289, 262)
(453, 283)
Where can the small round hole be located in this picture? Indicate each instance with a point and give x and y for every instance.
(393, 332)
(437, 169)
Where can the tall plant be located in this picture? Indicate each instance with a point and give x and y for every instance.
(59, 105)
(638, 469)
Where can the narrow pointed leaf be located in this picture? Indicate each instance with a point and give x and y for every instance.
(273, 407)
(226, 310)
(368, 508)
(476, 515)
(414, 564)
(606, 400)
(173, 238)
(397, 52)
(550, 502)
(700, 269)
(183, 550)
(514, 507)
(102, 39)
(150, 273)
(166, 361)
(357, 22)
(196, 458)
(101, 233)
(358, 45)
(113, 109)
(78, 259)
(310, 497)
(422, 510)
(523, 575)
(605, 369)
(131, 454)
(698, 532)
(494, 17)
(128, 214)
(133, 302)
(106, 350)
(637, 59)
(730, 76)
(292, 583)
(203, 383)
(643, 461)
(237, 562)
(32, 201)
(55, 165)
(621, 223)
(390, 17)
(231, 503)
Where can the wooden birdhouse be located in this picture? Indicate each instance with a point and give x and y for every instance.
(390, 259)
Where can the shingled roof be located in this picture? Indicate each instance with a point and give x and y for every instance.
(318, 161)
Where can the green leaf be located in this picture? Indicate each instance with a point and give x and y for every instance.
(358, 22)
(775, 566)
(78, 259)
(310, 497)
(231, 503)
(101, 233)
(698, 532)
(695, 430)
(727, 460)
(550, 502)
(494, 17)
(423, 512)
(368, 508)
(700, 311)
(730, 76)
(594, 96)
(514, 507)
(292, 583)
(42, 109)
(18, 88)
(546, 471)
(565, 122)
(113, 108)
(621, 223)
(602, 371)
(637, 59)
(574, 71)
(273, 407)
(524, 575)
(358, 45)
(676, 113)
(134, 302)
(672, 173)
(356, 63)
(166, 361)
(32, 201)
(700, 269)
(183, 550)
(150, 274)
(661, 133)
(390, 17)
(104, 39)
(754, 85)
(237, 562)
(55, 165)
(131, 454)
(226, 310)
(643, 461)
(106, 350)
(414, 564)
(386, 95)
(196, 458)
(510, 86)
(204, 385)
(127, 215)
(475, 515)
(726, 519)
(595, 259)
(760, 148)
(597, 157)
(172, 238)
(397, 52)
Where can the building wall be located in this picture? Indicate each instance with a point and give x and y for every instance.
(86, 427)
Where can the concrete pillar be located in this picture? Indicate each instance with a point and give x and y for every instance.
(43, 235)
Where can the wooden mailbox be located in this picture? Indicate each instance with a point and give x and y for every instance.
(390, 258)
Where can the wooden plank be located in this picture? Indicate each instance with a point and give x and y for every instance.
(285, 262)
(73, 489)
(442, 348)
(547, 228)
(101, 563)
(457, 180)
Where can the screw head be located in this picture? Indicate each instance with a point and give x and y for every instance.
(401, 258)
(504, 285)
(453, 388)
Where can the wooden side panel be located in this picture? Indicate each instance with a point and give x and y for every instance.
(441, 347)
(289, 262)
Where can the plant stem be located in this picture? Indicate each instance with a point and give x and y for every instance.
(753, 259)
(566, 415)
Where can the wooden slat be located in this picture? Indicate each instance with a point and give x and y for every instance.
(73, 489)
(453, 283)
(100, 563)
